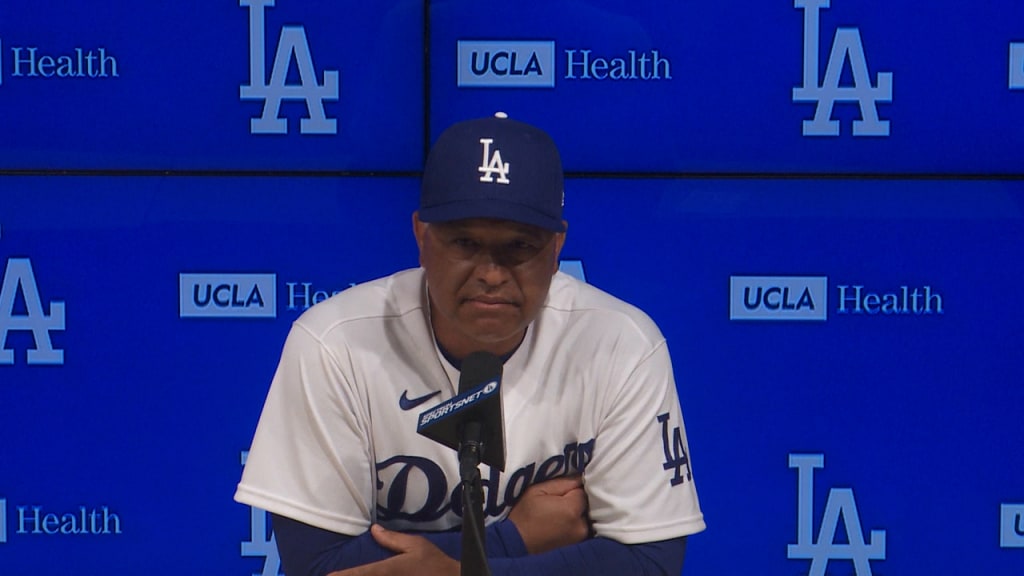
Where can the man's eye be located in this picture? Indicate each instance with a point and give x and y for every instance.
(522, 245)
(464, 243)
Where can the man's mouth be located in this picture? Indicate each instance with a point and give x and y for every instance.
(490, 302)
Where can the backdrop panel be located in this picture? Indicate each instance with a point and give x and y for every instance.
(143, 318)
(870, 86)
(197, 85)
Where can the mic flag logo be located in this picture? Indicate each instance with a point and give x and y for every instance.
(292, 43)
(443, 423)
(840, 502)
(460, 402)
(492, 164)
(846, 46)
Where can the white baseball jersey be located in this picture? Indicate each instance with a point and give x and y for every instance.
(589, 390)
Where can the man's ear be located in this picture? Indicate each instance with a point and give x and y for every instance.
(559, 242)
(419, 230)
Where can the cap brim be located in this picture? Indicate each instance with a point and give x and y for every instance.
(490, 208)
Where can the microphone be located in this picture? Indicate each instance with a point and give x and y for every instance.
(474, 418)
(473, 424)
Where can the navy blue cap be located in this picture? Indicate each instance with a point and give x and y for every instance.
(494, 168)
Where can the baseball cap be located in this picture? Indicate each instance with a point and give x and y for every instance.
(493, 167)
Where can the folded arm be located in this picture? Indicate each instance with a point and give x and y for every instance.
(547, 533)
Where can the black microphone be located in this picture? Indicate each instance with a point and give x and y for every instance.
(474, 418)
(473, 424)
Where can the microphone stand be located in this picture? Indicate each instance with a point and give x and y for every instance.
(474, 552)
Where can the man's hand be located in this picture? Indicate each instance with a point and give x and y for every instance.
(552, 514)
(416, 556)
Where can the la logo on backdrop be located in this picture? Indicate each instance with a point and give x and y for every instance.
(840, 503)
(846, 46)
(19, 278)
(292, 43)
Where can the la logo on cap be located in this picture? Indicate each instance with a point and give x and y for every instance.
(492, 164)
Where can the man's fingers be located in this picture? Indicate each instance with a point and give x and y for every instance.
(414, 556)
(394, 541)
(559, 486)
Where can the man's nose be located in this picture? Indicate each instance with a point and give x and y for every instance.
(490, 268)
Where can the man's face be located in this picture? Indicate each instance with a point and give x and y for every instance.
(487, 280)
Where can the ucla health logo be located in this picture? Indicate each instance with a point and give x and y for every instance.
(495, 63)
(778, 298)
(19, 278)
(825, 549)
(531, 64)
(292, 44)
(227, 295)
(803, 298)
(846, 47)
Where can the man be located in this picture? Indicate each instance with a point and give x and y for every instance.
(597, 478)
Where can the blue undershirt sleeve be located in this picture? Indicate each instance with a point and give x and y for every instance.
(310, 551)
(599, 557)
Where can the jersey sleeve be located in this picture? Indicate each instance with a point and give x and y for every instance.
(640, 482)
(310, 458)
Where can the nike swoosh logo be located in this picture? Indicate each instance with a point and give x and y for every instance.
(405, 403)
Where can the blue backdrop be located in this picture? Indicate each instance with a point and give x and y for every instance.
(842, 309)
